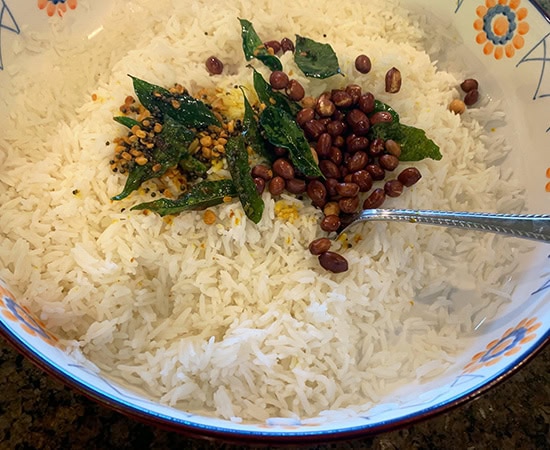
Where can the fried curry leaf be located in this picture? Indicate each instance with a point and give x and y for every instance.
(128, 122)
(252, 134)
(192, 165)
(136, 176)
(283, 131)
(415, 145)
(269, 97)
(253, 47)
(183, 108)
(170, 146)
(380, 106)
(200, 196)
(237, 160)
(175, 135)
(315, 59)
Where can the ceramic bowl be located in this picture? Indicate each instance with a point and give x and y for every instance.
(506, 44)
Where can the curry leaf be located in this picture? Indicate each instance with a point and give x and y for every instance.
(176, 136)
(415, 145)
(269, 97)
(237, 160)
(200, 196)
(136, 176)
(192, 165)
(315, 59)
(380, 106)
(128, 122)
(253, 47)
(252, 134)
(283, 131)
(183, 108)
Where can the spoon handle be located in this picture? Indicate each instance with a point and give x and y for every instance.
(527, 226)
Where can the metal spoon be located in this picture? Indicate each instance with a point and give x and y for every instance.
(528, 226)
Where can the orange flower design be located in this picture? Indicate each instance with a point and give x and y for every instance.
(12, 311)
(509, 344)
(501, 25)
(57, 6)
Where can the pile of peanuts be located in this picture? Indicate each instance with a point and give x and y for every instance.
(336, 125)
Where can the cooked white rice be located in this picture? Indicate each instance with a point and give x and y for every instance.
(234, 319)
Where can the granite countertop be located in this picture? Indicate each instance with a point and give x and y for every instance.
(37, 412)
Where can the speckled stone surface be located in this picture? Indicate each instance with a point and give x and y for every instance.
(37, 412)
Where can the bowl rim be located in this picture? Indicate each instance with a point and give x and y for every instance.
(219, 433)
(545, 14)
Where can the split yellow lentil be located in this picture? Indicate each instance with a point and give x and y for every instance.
(209, 217)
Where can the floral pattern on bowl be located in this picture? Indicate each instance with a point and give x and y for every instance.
(508, 345)
(57, 6)
(11, 311)
(501, 27)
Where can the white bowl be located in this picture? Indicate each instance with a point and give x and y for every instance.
(514, 76)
